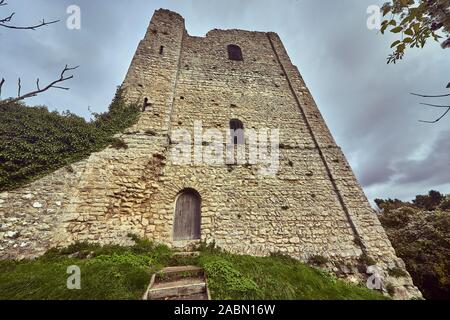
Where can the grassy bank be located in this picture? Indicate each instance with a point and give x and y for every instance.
(113, 272)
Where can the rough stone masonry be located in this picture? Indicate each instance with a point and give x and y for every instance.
(312, 206)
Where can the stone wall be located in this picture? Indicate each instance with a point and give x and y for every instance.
(312, 206)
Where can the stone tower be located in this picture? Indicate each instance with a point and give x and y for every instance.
(312, 204)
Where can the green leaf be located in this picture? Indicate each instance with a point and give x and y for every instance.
(397, 30)
(409, 32)
(408, 40)
(395, 43)
(384, 27)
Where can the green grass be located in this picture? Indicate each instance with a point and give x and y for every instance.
(275, 277)
(113, 272)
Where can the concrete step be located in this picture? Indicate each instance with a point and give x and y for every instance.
(179, 288)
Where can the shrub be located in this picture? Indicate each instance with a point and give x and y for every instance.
(430, 201)
(397, 272)
(318, 260)
(445, 204)
(366, 260)
(422, 243)
(398, 218)
(390, 289)
(118, 144)
(128, 258)
(223, 276)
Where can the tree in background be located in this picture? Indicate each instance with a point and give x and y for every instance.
(420, 234)
(417, 22)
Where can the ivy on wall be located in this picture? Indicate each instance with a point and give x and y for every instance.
(35, 141)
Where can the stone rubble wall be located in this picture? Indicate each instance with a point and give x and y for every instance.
(312, 206)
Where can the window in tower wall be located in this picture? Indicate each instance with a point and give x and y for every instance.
(234, 52)
(237, 131)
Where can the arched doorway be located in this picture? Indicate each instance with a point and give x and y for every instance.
(186, 225)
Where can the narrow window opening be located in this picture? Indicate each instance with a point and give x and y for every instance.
(161, 50)
(237, 132)
(234, 53)
(146, 104)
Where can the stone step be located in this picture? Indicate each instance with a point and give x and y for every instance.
(198, 296)
(181, 269)
(187, 254)
(178, 273)
(179, 288)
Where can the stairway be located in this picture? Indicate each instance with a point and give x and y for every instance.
(178, 283)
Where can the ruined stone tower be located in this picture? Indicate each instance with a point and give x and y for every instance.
(313, 205)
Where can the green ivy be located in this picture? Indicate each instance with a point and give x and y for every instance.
(35, 141)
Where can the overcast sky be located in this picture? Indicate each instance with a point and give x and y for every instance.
(365, 102)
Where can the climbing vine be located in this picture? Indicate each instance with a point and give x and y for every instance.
(35, 141)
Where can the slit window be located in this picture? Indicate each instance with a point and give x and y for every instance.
(237, 132)
(161, 50)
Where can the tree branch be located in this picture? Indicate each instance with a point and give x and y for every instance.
(434, 105)
(1, 85)
(438, 119)
(38, 90)
(425, 96)
(4, 22)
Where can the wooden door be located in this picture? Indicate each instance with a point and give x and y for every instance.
(187, 217)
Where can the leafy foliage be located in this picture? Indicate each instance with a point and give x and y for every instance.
(318, 260)
(420, 234)
(430, 201)
(34, 141)
(416, 21)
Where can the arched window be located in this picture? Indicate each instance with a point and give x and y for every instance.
(186, 225)
(234, 52)
(237, 131)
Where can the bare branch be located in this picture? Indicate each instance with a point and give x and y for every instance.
(34, 27)
(4, 22)
(19, 87)
(425, 96)
(1, 85)
(438, 119)
(53, 85)
(8, 18)
(434, 105)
